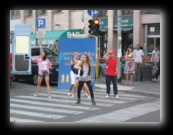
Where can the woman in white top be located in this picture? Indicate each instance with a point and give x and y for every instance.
(44, 65)
(85, 77)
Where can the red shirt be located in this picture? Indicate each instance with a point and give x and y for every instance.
(111, 67)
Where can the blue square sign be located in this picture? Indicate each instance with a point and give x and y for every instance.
(40, 23)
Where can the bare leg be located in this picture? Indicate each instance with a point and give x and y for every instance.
(131, 78)
(75, 86)
(47, 84)
(127, 78)
(86, 89)
(71, 87)
(38, 84)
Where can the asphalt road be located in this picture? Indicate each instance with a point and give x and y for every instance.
(24, 107)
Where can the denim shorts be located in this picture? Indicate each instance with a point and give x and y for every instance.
(44, 74)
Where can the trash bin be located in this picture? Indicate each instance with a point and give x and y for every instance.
(147, 72)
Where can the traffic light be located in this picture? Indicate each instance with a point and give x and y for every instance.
(91, 27)
(94, 27)
(97, 27)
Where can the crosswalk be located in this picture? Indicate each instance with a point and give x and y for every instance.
(27, 108)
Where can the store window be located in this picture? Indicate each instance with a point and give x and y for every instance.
(152, 42)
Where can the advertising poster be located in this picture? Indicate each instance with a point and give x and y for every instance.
(67, 47)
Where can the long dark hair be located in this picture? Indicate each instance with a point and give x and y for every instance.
(128, 49)
(45, 56)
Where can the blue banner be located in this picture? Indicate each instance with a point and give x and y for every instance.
(67, 47)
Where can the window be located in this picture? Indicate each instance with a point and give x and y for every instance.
(150, 11)
(58, 11)
(154, 29)
(103, 13)
(15, 14)
(126, 12)
(43, 12)
(29, 12)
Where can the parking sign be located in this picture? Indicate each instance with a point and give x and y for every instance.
(40, 23)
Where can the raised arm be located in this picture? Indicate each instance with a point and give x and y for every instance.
(106, 57)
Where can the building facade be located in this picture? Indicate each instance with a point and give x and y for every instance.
(138, 26)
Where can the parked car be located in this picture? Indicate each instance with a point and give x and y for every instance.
(52, 56)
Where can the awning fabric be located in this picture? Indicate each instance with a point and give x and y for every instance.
(53, 36)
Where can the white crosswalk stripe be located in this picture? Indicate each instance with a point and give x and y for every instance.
(13, 119)
(60, 105)
(41, 115)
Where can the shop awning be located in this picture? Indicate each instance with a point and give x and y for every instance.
(53, 36)
(123, 29)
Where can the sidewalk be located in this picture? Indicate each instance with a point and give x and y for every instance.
(143, 88)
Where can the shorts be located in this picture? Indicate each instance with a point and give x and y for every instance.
(73, 77)
(44, 74)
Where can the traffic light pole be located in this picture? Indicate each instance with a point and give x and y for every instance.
(119, 43)
(36, 39)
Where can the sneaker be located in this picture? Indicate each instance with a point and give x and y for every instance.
(116, 96)
(73, 96)
(86, 94)
(89, 97)
(107, 95)
(49, 96)
(36, 95)
(154, 80)
(69, 94)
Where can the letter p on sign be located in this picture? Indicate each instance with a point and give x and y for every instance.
(41, 23)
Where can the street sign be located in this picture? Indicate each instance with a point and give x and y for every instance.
(93, 13)
(40, 33)
(40, 23)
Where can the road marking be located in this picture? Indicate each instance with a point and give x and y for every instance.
(41, 115)
(125, 114)
(70, 101)
(13, 119)
(83, 99)
(44, 109)
(97, 92)
(54, 105)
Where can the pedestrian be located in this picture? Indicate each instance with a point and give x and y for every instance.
(73, 72)
(129, 65)
(85, 87)
(111, 72)
(155, 58)
(44, 65)
(138, 59)
(85, 77)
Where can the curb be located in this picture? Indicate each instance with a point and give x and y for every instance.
(145, 93)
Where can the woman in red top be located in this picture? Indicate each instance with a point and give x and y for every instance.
(111, 72)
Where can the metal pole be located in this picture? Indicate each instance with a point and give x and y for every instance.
(119, 43)
(36, 40)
